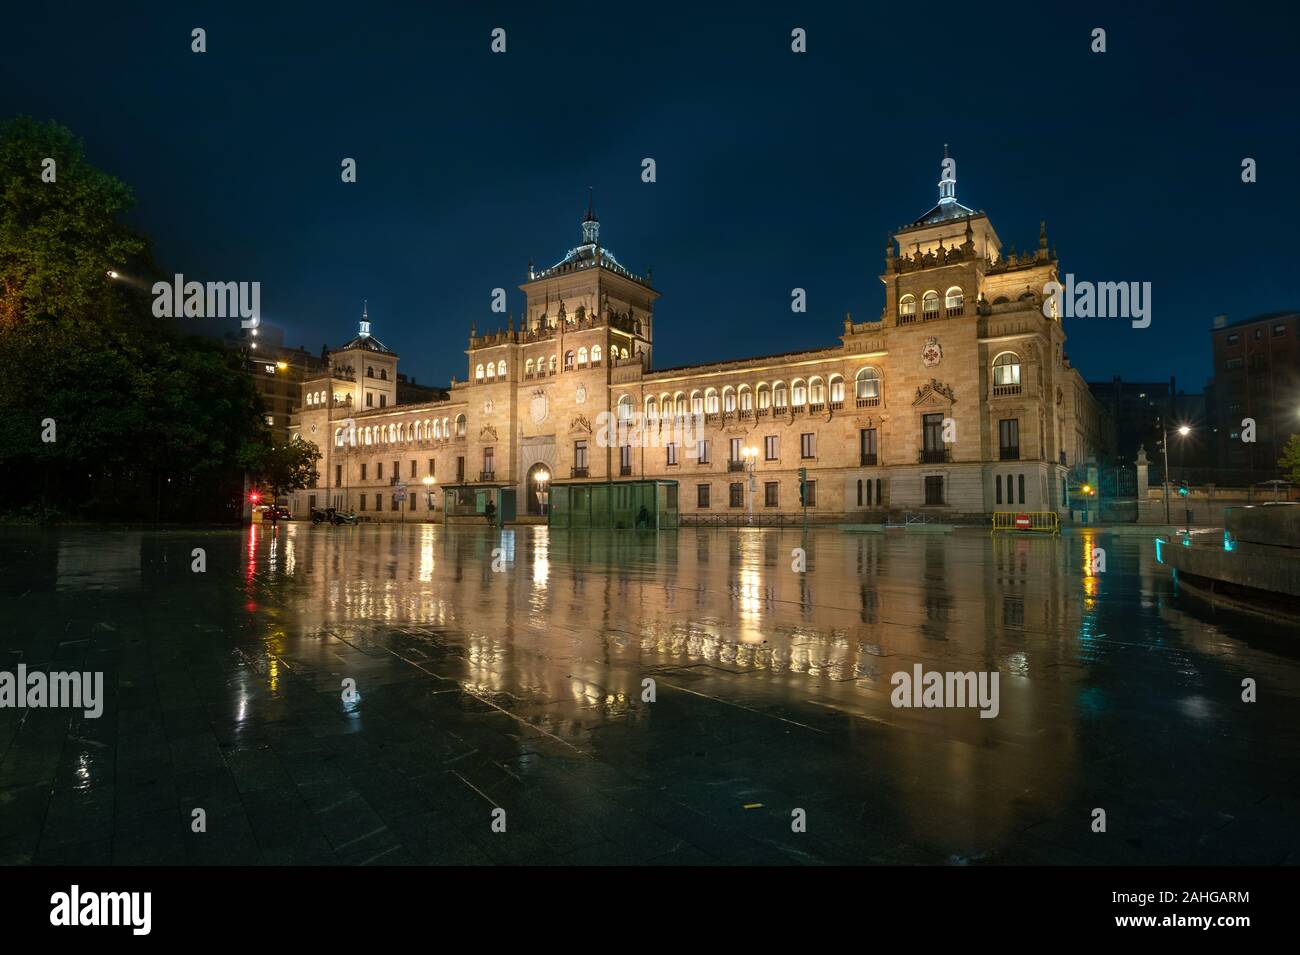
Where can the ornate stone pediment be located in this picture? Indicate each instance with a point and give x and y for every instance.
(580, 424)
(935, 393)
(487, 433)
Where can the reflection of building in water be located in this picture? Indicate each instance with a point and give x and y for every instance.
(958, 397)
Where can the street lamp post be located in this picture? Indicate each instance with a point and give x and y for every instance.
(750, 457)
(1183, 431)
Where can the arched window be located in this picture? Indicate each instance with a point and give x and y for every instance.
(551, 364)
(681, 404)
(867, 387)
(370, 371)
(929, 305)
(779, 396)
(338, 438)
(746, 398)
(625, 408)
(764, 397)
(478, 373)
(728, 400)
(446, 428)
(501, 369)
(568, 361)
(460, 426)
(652, 408)
(798, 393)
(528, 368)
(837, 389)
(953, 300)
(907, 307)
(1006, 373)
(582, 356)
(710, 402)
(816, 391)
(697, 403)
(383, 374)
(491, 371)
(622, 354)
(437, 430)
(595, 354)
(419, 431)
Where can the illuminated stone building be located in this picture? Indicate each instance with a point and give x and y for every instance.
(956, 401)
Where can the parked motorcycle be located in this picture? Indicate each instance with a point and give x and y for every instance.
(332, 516)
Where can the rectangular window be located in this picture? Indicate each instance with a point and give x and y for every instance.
(431, 466)
(383, 401)
(770, 490)
(932, 433)
(460, 469)
(412, 500)
(734, 446)
(363, 470)
(489, 461)
(397, 470)
(395, 503)
(362, 506)
(338, 475)
(1021, 482)
(370, 399)
(702, 452)
(1279, 331)
(379, 470)
(807, 445)
(702, 495)
(934, 489)
(379, 502)
(412, 467)
(771, 448)
(810, 493)
(867, 446)
(1234, 339)
(580, 455)
(1009, 439)
(1233, 363)
(997, 483)
(671, 452)
(625, 459)
(737, 495)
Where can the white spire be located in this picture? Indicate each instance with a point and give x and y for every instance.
(365, 319)
(947, 179)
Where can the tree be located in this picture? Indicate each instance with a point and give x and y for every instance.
(1290, 460)
(58, 239)
(147, 423)
(282, 466)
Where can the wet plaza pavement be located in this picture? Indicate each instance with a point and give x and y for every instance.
(521, 688)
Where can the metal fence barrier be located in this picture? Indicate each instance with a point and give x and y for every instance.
(1029, 522)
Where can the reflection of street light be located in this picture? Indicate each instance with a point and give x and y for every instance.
(111, 274)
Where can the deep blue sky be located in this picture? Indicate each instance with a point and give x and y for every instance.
(775, 170)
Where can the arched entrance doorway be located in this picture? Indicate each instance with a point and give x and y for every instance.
(538, 483)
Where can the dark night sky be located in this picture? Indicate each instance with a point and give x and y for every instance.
(774, 170)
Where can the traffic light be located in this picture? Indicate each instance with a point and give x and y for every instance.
(1182, 489)
(803, 482)
(254, 497)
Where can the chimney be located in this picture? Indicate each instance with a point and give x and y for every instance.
(1220, 321)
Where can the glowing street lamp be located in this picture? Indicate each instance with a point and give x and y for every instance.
(542, 477)
(112, 275)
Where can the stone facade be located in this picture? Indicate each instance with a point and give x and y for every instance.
(957, 401)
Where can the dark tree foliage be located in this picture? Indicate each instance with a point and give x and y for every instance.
(147, 423)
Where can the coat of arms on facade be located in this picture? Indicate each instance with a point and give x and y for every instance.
(487, 433)
(487, 406)
(581, 396)
(537, 407)
(580, 423)
(931, 352)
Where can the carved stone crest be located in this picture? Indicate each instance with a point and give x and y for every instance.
(487, 432)
(580, 423)
(581, 395)
(931, 352)
(537, 407)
